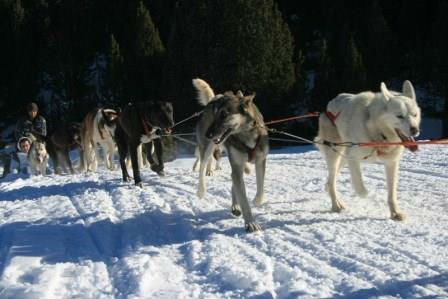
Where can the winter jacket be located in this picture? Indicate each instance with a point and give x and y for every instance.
(26, 127)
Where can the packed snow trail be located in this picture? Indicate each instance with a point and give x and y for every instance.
(94, 236)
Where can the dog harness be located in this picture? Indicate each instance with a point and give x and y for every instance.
(147, 129)
(251, 152)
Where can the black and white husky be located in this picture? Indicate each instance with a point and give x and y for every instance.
(233, 120)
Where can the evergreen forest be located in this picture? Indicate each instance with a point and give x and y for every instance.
(70, 56)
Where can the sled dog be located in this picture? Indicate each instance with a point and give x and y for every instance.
(38, 158)
(98, 127)
(233, 120)
(143, 123)
(59, 144)
(385, 116)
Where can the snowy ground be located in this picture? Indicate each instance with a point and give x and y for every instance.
(93, 236)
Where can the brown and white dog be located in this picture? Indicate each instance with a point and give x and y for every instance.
(98, 127)
(38, 157)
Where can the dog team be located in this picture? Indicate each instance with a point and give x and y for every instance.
(233, 121)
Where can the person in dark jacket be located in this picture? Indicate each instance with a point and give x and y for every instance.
(31, 124)
(26, 128)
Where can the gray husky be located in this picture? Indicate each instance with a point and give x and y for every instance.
(232, 120)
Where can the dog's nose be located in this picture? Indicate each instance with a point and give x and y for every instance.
(415, 131)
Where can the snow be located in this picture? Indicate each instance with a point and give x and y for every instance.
(94, 236)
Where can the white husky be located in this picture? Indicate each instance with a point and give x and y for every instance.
(38, 158)
(386, 116)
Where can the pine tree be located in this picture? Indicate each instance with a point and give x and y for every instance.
(323, 90)
(377, 44)
(233, 45)
(114, 72)
(353, 77)
(146, 57)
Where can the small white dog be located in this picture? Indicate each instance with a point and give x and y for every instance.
(38, 158)
(386, 116)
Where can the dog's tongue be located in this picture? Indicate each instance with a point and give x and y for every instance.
(412, 148)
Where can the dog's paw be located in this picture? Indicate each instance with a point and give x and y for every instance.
(139, 184)
(156, 168)
(337, 207)
(362, 192)
(398, 216)
(161, 173)
(209, 173)
(258, 200)
(252, 227)
(236, 211)
(200, 194)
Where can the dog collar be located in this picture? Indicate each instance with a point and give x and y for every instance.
(251, 152)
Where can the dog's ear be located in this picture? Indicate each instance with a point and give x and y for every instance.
(239, 94)
(386, 93)
(109, 115)
(408, 90)
(247, 101)
(250, 98)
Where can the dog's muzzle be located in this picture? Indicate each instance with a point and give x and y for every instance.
(219, 139)
(404, 138)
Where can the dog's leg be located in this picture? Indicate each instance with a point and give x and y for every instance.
(86, 149)
(140, 155)
(237, 161)
(356, 175)
(217, 157)
(109, 155)
(55, 159)
(158, 149)
(334, 160)
(122, 152)
(196, 165)
(198, 159)
(45, 166)
(134, 161)
(260, 170)
(236, 209)
(391, 168)
(205, 153)
(210, 164)
(96, 157)
(68, 161)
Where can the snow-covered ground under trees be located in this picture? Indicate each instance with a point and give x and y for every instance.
(92, 236)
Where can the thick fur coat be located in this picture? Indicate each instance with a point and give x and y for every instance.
(233, 120)
(385, 116)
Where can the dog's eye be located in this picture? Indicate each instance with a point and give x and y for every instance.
(224, 114)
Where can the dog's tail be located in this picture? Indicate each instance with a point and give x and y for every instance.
(205, 92)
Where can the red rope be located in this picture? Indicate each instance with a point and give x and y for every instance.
(405, 143)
